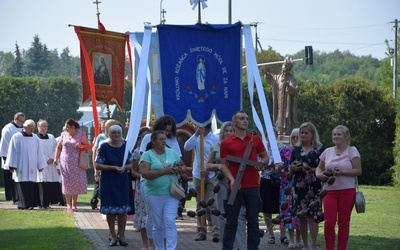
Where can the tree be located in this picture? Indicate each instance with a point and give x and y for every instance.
(329, 67)
(366, 110)
(36, 58)
(17, 69)
(55, 100)
(66, 62)
(370, 115)
(122, 115)
(315, 104)
(6, 62)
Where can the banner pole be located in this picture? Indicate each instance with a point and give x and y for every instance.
(202, 179)
(199, 11)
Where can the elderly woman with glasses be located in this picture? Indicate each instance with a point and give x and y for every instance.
(114, 183)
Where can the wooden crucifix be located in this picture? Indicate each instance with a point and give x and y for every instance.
(243, 162)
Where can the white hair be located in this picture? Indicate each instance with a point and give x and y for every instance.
(29, 122)
(113, 128)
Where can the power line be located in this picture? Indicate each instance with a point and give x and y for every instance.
(333, 28)
(321, 42)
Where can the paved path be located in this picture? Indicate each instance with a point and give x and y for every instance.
(96, 230)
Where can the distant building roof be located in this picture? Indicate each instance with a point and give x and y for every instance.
(86, 109)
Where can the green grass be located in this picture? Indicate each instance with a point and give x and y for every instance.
(378, 228)
(41, 229)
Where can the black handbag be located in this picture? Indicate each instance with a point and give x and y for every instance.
(276, 179)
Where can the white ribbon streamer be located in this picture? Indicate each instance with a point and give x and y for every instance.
(138, 47)
(138, 97)
(253, 76)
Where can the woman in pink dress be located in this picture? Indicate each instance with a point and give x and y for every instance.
(74, 180)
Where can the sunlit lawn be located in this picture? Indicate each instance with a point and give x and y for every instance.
(40, 229)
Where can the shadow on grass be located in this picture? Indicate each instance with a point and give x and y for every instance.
(44, 238)
(368, 243)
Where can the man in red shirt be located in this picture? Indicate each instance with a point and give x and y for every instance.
(249, 193)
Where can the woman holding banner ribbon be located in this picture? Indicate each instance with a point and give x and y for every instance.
(114, 183)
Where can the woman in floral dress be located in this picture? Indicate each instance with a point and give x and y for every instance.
(74, 180)
(304, 160)
(287, 198)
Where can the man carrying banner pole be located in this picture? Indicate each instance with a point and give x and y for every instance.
(204, 181)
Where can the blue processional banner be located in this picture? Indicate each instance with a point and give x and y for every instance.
(200, 71)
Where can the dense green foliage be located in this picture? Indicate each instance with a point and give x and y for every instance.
(329, 67)
(396, 149)
(365, 110)
(55, 100)
(122, 115)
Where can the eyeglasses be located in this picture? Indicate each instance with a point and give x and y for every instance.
(20, 120)
(43, 126)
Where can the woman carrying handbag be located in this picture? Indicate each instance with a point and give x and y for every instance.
(342, 164)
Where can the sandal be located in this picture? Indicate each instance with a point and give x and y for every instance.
(285, 240)
(271, 240)
(299, 244)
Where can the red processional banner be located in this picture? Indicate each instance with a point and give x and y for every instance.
(102, 64)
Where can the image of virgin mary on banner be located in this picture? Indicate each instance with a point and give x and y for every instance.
(200, 71)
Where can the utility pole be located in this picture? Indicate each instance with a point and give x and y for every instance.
(395, 56)
(257, 41)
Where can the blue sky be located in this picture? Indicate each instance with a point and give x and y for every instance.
(358, 26)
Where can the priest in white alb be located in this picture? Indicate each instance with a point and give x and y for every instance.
(25, 159)
(6, 133)
(49, 186)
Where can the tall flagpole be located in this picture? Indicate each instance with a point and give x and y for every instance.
(199, 11)
(101, 27)
(230, 11)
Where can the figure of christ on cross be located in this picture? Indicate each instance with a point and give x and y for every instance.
(233, 165)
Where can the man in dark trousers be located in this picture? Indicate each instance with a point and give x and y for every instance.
(6, 133)
(237, 145)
